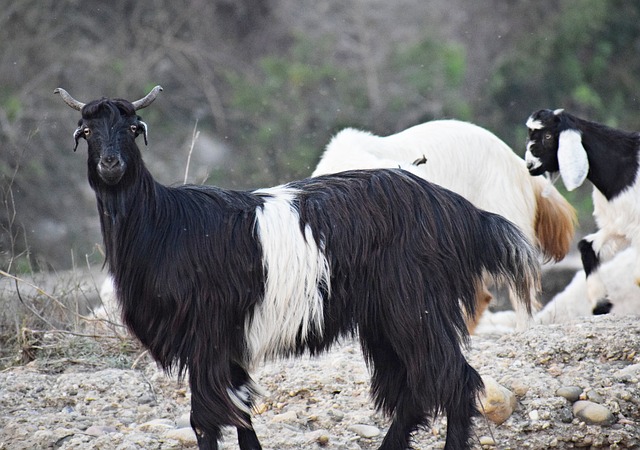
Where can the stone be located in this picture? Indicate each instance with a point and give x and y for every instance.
(289, 416)
(487, 440)
(498, 403)
(571, 393)
(629, 374)
(156, 425)
(185, 436)
(593, 413)
(99, 430)
(184, 421)
(365, 431)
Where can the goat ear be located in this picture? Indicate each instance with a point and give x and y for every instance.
(572, 159)
(143, 125)
(76, 136)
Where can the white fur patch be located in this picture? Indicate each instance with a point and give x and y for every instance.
(572, 159)
(534, 124)
(533, 162)
(241, 397)
(296, 268)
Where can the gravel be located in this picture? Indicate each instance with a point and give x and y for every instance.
(558, 373)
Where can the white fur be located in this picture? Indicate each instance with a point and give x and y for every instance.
(572, 159)
(618, 222)
(295, 268)
(533, 162)
(572, 303)
(461, 156)
(534, 124)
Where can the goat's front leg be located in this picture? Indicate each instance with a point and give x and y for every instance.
(242, 394)
(595, 249)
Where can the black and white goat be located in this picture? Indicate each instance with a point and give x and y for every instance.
(579, 149)
(214, 281)
(472, 162)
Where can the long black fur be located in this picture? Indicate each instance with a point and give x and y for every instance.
(405, 258)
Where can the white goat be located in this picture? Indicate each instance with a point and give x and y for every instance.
(472, 162)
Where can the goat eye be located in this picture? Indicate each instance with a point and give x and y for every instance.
(548, 136)
(86, 131)
(133, 128)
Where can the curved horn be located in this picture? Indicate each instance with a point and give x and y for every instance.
(148, 99)
(68, 99)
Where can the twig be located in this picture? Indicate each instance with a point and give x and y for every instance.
(194, 138)
(137, 360)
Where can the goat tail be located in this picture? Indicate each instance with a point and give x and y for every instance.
(554, 222)
(510, 259)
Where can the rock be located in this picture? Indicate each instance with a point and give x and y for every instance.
(498, 402)
(99, 430)
(185, 436)
(571, 393)
(594, 396)
(156, 425)
(593, 413)
(630, 374)
(289, 416)
(487, 440)
(184, 421)
(365, 431)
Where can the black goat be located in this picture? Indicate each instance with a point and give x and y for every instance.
(609, 158)
(213, 281)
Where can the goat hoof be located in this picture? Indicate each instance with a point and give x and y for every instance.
(602, 307)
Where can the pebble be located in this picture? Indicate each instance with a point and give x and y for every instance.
(594, 397)
(365, 431)
(630, 374)
(289, 416)
(156, 425)
(571, 393)
(593, 413)
(487, 440)
(185, 436)
(184, 421)
(498, 402)
(99, 430)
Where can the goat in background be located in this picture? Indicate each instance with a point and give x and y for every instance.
(579, 149)
(474, 163)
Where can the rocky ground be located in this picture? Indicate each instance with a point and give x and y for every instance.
(573, 385)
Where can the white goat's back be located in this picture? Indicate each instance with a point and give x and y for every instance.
(462, 157)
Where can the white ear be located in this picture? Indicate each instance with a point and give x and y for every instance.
(572, 159)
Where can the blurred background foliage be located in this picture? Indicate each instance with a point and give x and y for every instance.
(267, 82)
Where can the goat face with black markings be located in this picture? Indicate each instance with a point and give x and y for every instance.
(106, 126)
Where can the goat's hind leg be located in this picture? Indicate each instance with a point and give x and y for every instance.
(393, 396)
(462, 408)
(595, 249)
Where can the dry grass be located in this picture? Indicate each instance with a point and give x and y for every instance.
(52, 324)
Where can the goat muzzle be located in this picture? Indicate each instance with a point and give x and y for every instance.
(111, 169)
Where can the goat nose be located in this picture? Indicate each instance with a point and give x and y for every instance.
(110, 161)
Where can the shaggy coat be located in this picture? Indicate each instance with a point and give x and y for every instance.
(579, 149)
(472, 162)
(214, 281)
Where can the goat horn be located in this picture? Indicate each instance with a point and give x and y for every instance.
(68, 99)
(146, 100)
